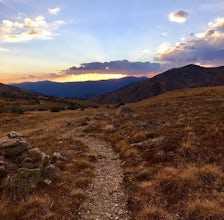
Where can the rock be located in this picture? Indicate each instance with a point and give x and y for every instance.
(109, 128)
(12, 147)
(47, 181)
(28, 163)
(45, 161)
(57, 157)
(2, 163)
(60, 164)
(39, 157)
(51, 171)
(36, 155)
(22, 168)
(3, 171)
(14, 134)
(124, 111)
(70, 153)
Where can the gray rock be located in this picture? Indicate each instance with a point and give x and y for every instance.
(57, 157)
(109, 128)
(39, 157)
(10, 148)
(51, 171)
(28, 163)
(22, 168)
(14, 134)
(124, 111)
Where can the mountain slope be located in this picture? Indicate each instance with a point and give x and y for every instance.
(7, 91)
(16, 100)
(78, 89)
(190, 76)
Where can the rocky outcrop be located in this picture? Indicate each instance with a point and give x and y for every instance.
(124, 111)
(22, 168)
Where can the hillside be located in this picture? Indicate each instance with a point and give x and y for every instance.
(82, 90)
(8, 91)
(161, 158)
(190, 76)
(13, 99)
(172, 145)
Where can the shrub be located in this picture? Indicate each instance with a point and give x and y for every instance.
(73, 106)
(17, 110)
(56, 109)
(41, 109)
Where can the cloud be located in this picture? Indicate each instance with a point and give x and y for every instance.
(179, 16)
(42, 76)
(206, 47)
(27, 30)
(120, 66)
(53, 11)
(2, 49)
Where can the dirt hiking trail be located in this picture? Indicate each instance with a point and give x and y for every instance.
(106, 197)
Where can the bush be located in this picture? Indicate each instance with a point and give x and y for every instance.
(41, 109)
(56, 109)
(73, 106)
(17, 110)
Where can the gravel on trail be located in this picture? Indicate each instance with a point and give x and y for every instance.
(106, 198)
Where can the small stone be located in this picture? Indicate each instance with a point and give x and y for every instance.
(57, 157)
(14, 134)
(47, 181)
(109, 128)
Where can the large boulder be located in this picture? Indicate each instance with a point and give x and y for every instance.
(38, 157)
(22, 168)
(13, 146)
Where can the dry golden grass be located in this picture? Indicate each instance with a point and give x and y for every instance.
(174, 155)
(204, 210)
(154, 213)
(172, 148)
(62, 198)
(78, 194)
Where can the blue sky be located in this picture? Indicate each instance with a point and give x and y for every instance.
(44, 39)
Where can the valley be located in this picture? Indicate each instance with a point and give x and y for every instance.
(168, 151)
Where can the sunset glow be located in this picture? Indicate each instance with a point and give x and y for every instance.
(45, 40)
(89, 77)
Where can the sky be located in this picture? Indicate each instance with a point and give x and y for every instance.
(78, 40)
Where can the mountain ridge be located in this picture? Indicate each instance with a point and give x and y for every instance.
(189, 76)
(83, 90)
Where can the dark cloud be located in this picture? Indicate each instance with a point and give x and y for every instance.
(179, 16)
(121, 66)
